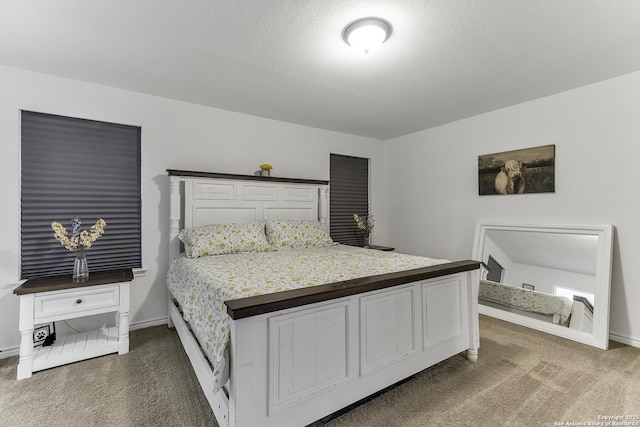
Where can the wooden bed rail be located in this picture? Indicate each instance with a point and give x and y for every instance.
(261, 304)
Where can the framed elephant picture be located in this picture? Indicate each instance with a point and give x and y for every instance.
(530, 170)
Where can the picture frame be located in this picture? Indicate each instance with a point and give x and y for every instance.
(530, 170)
(528, 286)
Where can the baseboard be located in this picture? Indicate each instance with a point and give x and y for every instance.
(633, 342)
(149, 323)
(15, 351)
(10, 352)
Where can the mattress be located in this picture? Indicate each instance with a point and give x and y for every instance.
(202, 285)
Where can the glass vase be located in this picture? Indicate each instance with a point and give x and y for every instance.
(365, 241)
(80, 268)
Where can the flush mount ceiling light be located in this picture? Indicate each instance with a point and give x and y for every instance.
(367, 33)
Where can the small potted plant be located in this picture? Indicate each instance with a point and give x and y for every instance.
(365, 225)
(265, 169)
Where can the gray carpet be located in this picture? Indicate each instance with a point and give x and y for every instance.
(523, 378)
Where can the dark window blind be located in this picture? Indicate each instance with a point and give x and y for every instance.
(349, 177)
(494, 270)
(79, 168)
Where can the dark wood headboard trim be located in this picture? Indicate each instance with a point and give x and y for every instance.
(175, 172)
(261, 304)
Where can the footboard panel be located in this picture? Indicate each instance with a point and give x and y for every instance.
(314, 360)
(389, 327)
(307, 353)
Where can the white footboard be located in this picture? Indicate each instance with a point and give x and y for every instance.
(315, 359)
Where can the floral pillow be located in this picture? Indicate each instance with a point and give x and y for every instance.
(219, 239)
(296, 234)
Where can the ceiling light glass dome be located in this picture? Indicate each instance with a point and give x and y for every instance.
(367, 33)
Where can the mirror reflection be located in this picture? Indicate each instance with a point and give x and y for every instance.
(548, 277)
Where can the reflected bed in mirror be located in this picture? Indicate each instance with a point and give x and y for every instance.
(553, 278)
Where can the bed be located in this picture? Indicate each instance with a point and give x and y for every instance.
(575, 314)
(285, 353)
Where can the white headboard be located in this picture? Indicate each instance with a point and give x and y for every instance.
(202, 198)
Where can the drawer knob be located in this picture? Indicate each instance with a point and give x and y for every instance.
(78, 301)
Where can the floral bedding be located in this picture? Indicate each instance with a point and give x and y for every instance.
(202, 285)
(524, 299)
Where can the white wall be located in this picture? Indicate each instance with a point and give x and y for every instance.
(175, 135)
(430, 202)
(431, 181)
(545, 279)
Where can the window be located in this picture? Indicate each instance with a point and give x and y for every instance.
(349, 180)
(79, 168)
(571, 293)
(494, 269)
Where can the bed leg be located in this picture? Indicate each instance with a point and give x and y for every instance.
(472, 355)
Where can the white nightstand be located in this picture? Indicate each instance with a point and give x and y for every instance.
(54, 298)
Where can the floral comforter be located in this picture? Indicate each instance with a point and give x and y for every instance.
(524, 299)
(202, 285)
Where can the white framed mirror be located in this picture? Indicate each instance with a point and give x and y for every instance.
(550, 277)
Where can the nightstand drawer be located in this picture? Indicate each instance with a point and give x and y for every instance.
(76, 303)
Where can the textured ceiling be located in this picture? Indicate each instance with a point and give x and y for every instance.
(286, 60)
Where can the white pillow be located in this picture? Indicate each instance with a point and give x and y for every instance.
(219, 239)
(296, 234)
